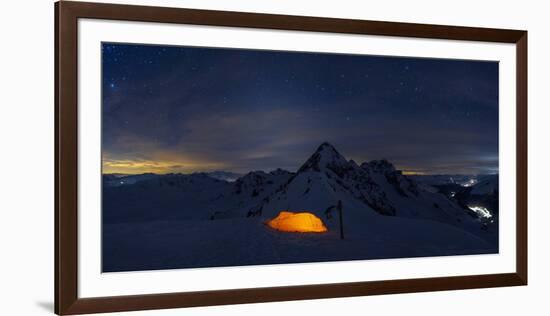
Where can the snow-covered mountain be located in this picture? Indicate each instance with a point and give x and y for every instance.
(488, 185)
(445, 179)
(115, 180)
(224, 175)
(385, 215)
(368, 190)
(374, 187)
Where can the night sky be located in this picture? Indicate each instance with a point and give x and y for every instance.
(186, 109)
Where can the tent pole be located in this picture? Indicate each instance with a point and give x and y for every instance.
(341, 220)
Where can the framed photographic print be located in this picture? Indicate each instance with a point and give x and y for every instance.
(209, 157)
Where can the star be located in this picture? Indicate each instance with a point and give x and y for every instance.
(112, 85)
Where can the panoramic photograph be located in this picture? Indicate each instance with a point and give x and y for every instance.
(218, 157)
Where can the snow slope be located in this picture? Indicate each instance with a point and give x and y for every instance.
(248, 241)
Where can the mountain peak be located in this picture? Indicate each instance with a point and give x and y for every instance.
(327, 149)
(326, 156)
(325, 144)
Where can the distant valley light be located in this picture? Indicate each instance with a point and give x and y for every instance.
(470, 183)
(481, 211)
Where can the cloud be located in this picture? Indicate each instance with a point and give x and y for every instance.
(194, 109)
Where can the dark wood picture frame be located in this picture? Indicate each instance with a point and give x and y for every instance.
(66, 157)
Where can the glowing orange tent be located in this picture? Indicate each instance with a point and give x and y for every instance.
(303, 222)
